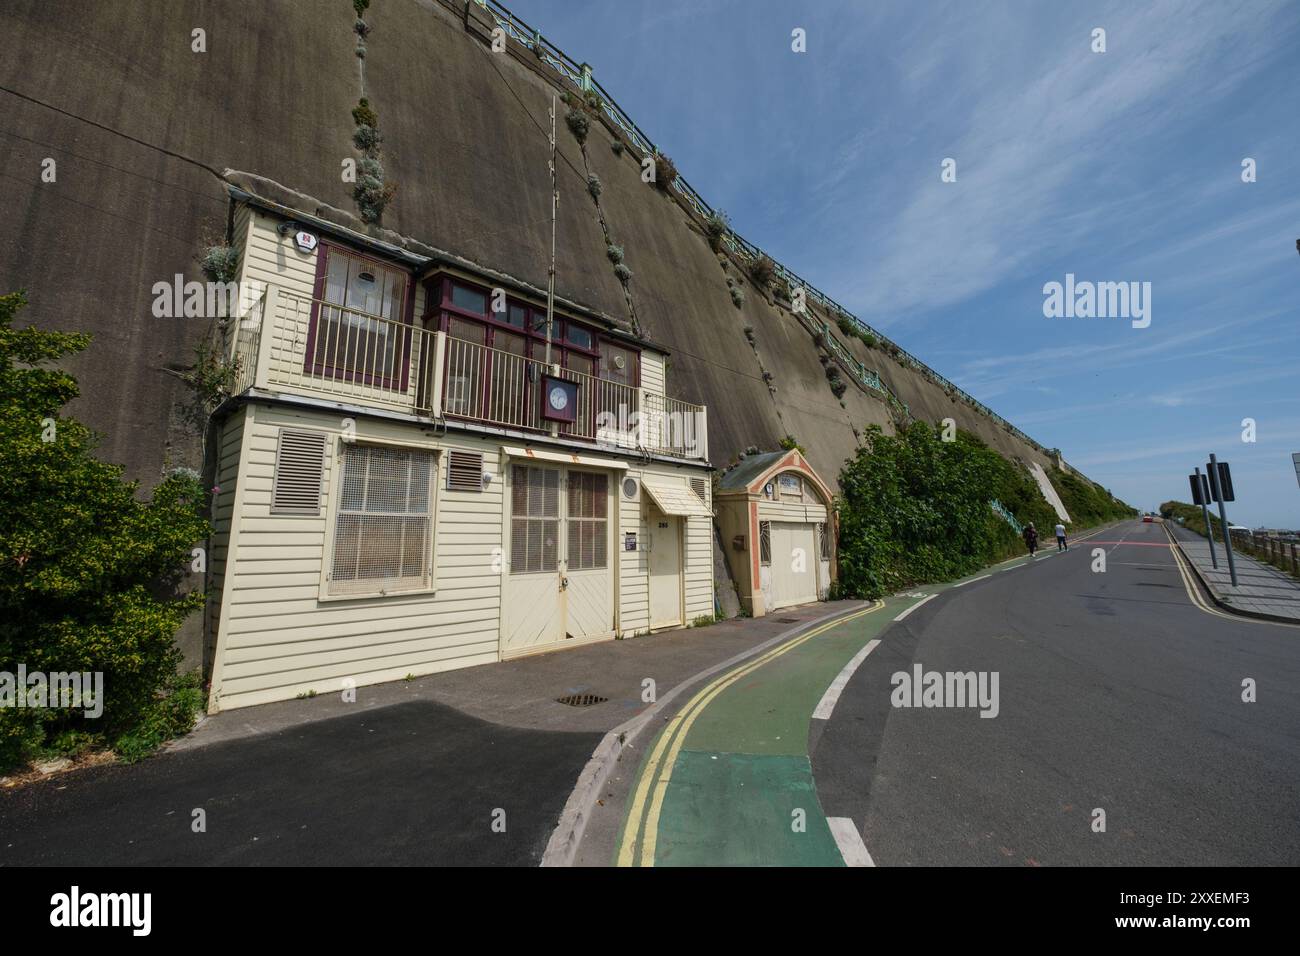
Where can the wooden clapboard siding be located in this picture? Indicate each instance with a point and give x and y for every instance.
(229, 444)
(633, 571)
(281, 639)
(634, 568)
(802, 511)
(652, 372)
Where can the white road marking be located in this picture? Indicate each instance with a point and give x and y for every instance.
(832, 695)
(973, 580)
(850, 842)
(915, 606)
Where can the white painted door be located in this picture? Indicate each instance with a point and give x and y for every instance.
(665, 567)
(794, 564)
(532, 608)
(559, 583)
(588, 594)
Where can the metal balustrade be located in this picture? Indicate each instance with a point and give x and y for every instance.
(580, 75)
(297, 344)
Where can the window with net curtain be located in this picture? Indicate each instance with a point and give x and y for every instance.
(358, 322)
(383, 532)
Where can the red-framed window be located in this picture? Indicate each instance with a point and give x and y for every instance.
(464, 310)
(361, 319)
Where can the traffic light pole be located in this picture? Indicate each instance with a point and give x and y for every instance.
(1223, 517)
(1205, 509)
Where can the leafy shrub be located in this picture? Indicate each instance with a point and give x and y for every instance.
(85, 566)
(915, 509)
(372, 196)
(737, 296)
(715, 227)
(665, 172)
(579, 124)
(367, 138)
(1087, 503)
(363, 115)
(789, 442)
(615, 253)
(846, 326)
(762, 270)
(361, 6)
(617, 147)
(594, 186)
(623, 273)
(221, 263)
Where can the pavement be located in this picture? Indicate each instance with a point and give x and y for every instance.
(1260, 589)
(1123, 732)
(413, 772)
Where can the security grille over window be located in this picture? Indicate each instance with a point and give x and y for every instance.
(383, 534)
(765, 542)
(700, 488)
(465, 471)
(824, 540)
(299, 466)
(535, 519)
(588, 507)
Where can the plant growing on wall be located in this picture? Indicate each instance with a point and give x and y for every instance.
(220, 263)
(84, 561)
(761, 270)
(579, 124)
(372, 193)
(665, 172)
(915, 509)
(715, 227)
(594, 187)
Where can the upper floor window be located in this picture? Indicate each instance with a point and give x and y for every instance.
(357, 330)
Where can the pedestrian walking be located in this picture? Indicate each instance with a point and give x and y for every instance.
(1031, 538)
(1060, 538)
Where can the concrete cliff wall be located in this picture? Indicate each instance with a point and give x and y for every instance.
(141, 126)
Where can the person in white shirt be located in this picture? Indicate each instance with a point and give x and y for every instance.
(1060, 538)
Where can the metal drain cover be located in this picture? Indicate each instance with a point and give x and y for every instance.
(580, 700)
(787, 620)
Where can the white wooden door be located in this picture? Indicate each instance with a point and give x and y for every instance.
(665, 568)
(794, 564)
(588, 595)
(533, 608)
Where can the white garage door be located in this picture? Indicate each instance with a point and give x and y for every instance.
(794, 564)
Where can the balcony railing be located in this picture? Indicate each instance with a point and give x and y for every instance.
(296, 344)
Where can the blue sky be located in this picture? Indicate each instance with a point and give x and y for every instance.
(1115, 166)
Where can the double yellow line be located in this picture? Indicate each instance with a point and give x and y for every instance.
(647, 803)
(1194, 590)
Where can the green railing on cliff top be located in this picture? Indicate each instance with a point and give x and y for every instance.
(580, 74)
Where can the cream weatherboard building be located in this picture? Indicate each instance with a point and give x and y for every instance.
(413, 477)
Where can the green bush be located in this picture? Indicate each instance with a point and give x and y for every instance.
(363, 115)
(761, 270)
(715, 227)
(665, 172)
(579, 124)
(1087, 502)
(86, 568)
(915, 509)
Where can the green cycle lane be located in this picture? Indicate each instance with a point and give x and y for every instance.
(743, 769)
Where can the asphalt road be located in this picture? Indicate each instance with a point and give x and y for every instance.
(1115, 693)
(412, 783)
